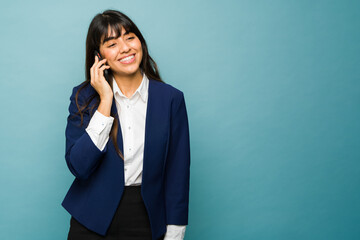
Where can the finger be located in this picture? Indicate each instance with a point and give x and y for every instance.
(96, 62)
(97, 71)
(96, 74)
(92, 72)
(100, 63)
(101, 70)
(104, 67)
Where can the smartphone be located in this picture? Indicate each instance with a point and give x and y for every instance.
(106, 71)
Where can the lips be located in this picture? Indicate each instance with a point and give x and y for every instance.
(127, 56)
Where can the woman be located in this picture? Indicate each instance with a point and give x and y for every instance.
(127, 141)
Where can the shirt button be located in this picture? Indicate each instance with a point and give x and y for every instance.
(129, 127)
(129, 149)
(125, 169)
(127, 106)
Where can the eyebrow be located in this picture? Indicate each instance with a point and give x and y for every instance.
(112, 37)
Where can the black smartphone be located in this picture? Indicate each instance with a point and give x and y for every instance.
(106, 71)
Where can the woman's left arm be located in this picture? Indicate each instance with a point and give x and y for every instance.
(177, 168)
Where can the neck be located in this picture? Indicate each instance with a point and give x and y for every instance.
(128, 83)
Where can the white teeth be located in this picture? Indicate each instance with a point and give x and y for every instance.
(127, 58)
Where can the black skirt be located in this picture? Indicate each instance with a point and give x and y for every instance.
(131, 221)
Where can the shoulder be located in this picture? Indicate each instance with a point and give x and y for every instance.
(167, 90)
(86, 90)
(168, 95)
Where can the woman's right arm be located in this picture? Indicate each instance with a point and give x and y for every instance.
(83, 153)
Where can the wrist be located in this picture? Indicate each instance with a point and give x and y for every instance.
(107, 98)
(105, 106)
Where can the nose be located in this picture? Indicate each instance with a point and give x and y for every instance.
(124, 47)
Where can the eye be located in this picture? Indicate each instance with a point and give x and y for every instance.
(131, 38)
(112, 45)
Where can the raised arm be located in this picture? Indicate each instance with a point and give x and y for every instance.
(82, 155)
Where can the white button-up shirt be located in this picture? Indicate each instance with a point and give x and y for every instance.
(132, 114)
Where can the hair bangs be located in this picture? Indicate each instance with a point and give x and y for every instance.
(115, 27)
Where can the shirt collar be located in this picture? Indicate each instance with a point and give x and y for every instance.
(142, 89)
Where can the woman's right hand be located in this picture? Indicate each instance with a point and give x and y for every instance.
(98, 81)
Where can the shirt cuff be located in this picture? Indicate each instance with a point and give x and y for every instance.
(99, 129)
(175, 232)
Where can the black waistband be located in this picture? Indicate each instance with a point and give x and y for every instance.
(133, 186)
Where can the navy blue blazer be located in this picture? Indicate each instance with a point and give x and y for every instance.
(97, 188)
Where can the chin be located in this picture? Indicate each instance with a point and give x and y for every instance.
(128, 72)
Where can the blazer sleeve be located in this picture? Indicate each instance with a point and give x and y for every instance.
(177, 167)
(82, 155)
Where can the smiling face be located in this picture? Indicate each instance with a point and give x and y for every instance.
(123, 54)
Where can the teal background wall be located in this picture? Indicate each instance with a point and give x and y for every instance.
(272, 90)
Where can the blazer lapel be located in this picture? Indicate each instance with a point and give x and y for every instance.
(150, 141)
(148, 123)
(156, 133)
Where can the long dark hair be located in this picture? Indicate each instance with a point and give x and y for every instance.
(99, 28)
